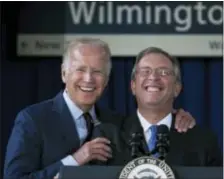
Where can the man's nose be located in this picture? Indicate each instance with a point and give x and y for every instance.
(153, 75)
(88, 77)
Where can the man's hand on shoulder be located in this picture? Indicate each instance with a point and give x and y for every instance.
(184, 120)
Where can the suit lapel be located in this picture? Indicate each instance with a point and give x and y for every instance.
(174, 154)
(99, 114)
(174, 134)
(103, 116)
(65, 123)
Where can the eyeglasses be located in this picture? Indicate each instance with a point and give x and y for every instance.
(162, 72)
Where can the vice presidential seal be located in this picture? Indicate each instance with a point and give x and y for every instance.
(146, 168)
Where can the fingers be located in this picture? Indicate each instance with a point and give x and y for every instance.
(99, 157)
(182, 125)
(178, 119)
(95, 149)
(100, 139)
(101, 152)
(184, 121)
(174, 111)
(98, 146)
(57, 176)
(192, 121)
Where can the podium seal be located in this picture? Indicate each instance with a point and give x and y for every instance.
(146, 168)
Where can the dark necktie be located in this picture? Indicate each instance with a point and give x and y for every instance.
(89, 125)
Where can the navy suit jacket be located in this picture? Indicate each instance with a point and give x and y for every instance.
(196, 147)
(45, 133)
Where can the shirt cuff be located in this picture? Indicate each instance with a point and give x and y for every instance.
(69, 160)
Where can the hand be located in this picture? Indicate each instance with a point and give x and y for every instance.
(56, 177)
(184, 120)
(95, 149)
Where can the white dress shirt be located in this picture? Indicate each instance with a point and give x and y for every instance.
(80, 123)
(167, 120)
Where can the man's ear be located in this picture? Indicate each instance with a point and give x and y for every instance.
(63, 73)
(133, 87)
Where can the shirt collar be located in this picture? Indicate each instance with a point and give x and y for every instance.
(74, 109)
(167, 120)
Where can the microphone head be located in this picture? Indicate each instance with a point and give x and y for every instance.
(136, 136)
(162, 129)
(162, 134)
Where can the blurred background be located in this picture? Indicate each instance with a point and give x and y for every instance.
(33, 36)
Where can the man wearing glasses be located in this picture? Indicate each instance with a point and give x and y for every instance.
(156, 82)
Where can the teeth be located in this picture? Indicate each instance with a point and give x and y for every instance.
(86, 89)
(152, 89)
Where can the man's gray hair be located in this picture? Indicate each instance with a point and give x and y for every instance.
(149, 50)
(88, 41)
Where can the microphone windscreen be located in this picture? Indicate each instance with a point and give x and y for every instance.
(162, 129)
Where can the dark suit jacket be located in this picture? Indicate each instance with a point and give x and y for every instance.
(196, 147)
(45, 133)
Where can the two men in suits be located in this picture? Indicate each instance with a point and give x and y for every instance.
(59, 131)
(156, 82)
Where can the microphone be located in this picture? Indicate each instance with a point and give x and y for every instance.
(163, 141)
(134, 144)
